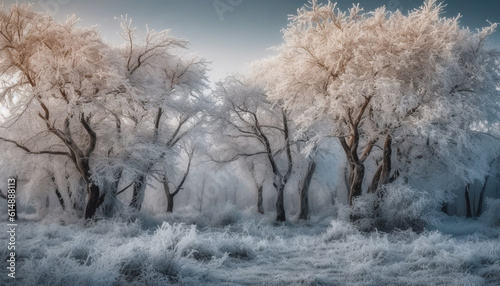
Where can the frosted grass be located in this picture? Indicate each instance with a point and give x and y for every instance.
(229, 247)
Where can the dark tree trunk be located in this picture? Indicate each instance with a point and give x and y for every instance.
(356, 167)
(279, 180)
(375, 181)
(304, 191)
(481, 198)
(92, 200)
(356, 187)
(170, 197)
(260, 200)
(357, 182)
(386, 161)
(60, 198)
(383, 174)
(170, 203)
(138, 193)
(467, 201)
(444, 208)
(280, 205)
(110, 202)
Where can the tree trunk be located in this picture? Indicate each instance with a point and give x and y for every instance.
(444, 208)
(304, 191)
(260, 200)
(138, 193)
(170, 197)
(386, 161)
(383, 174)
(357, 182)
(280, 205)
(356, 167)
(140, 183)
(467, 201)
(170, 203)
(375, 181)
(481, 198)
(92, 200)
(58, 195)
(347, 178)
(60, 198)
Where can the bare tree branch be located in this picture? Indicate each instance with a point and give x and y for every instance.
(124, 189)
(29, 151)
(184, 177)
(91, 133)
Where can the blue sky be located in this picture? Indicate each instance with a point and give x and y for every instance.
(233, 33)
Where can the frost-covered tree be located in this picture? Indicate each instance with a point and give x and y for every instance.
(377, 78)
(59, 83)
(170, 84)
(252, 128)
(261, 137)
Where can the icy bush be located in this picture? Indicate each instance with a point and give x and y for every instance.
(400, 207)
(363, 212)
(219, 216)
(403, 207)
(339, 230)
(492, 214)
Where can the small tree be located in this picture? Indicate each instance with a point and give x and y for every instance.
(249, 127)
(177, 188)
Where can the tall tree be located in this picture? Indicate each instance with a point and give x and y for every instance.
(376, 77)
(171, 85)
(60, 81)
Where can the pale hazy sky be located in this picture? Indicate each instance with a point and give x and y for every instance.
(233, 33)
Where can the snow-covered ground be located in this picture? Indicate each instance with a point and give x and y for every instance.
(226, 246)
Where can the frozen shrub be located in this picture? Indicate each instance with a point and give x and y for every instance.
(492, 214)
(220, 216)
(339, 231)
(236, 247)
(363, 212)
(399, 207)
(132, 264)
(80, 254)
(405, 208)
